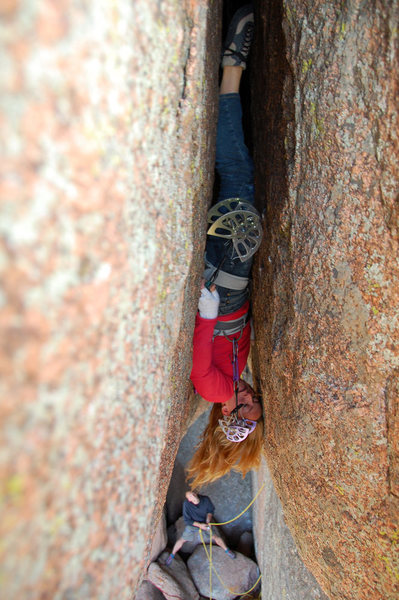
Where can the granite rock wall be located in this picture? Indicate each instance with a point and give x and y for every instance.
(325, 89)
(283, 573)
(108, 120)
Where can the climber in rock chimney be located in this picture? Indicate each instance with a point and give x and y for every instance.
(221, 343)
(197, 514)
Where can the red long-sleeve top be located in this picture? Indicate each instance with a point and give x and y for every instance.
(212, 372)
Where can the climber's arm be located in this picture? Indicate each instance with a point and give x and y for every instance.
(211, 383)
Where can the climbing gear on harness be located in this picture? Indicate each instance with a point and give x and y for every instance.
(236, 429)
(239, 38)
(227, 328)
(236, 220)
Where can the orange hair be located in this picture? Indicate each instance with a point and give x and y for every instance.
(216, 455)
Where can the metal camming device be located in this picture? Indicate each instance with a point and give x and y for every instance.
(236, 220)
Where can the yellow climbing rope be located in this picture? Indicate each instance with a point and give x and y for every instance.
(212, 568)
(243, 511)
(209, 555)
(210, 559)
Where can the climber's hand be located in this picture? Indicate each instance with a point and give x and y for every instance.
(208, 304)
(212, 287)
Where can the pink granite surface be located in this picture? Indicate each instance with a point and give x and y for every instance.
(108, 121)
(327, 283)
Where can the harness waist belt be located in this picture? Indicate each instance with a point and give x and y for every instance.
(230, 327)
(232, 282)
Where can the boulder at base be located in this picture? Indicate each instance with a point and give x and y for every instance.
(149, 592)
(246, 544)
(238, 575)
(174, 581)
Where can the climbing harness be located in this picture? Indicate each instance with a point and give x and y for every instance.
(236, 220)
(209, 554)
(227, 328)
(233, 282)
(214, 275)
(236, 429)
(230, 281)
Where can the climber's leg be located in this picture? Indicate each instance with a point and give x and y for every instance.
(176, 548)
(233, 162)
(231, 80)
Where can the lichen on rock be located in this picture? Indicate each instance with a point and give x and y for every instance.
(327, 283)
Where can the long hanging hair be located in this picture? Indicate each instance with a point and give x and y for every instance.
(216, 455)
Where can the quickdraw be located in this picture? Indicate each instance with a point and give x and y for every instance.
(236, 429)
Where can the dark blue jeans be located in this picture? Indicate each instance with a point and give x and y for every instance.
(235, 168)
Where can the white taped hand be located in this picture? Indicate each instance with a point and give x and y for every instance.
(208, 304)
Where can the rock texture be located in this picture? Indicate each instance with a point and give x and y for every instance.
(229, 580)
(283, 573)
(327, 283)
(108, 121)
(159, 539)
(174, 581)
(246, 544)
(147, 591)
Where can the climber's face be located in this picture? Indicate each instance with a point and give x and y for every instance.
(252, 408)
(192, 497)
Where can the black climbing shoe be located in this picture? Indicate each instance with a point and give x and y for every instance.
(239, 38)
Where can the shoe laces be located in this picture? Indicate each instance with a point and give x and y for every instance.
(243, 55)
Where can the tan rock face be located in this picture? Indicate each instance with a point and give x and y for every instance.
(327, 277)
(108, 124)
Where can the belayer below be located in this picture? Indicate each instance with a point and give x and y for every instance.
(197, 514)
(222, 334)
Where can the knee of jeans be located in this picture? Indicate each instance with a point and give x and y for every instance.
(238, 171)
(247, 193)
(232, 190)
